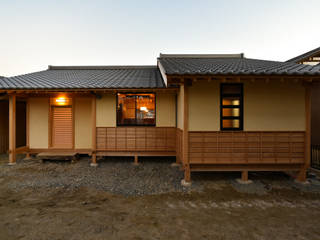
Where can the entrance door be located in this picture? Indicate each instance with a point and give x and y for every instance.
(62, 127)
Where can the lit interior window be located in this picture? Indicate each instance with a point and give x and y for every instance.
(136, 109)
(231, 107)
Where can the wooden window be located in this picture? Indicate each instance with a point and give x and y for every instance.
(231, 106)
(136, 109)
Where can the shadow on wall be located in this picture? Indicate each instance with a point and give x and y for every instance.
(315, 115)
(4, 125)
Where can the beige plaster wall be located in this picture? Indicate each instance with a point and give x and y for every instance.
(204, 106)
(106, 111)
(274, 106)
(165, 110)
(38, 122)
(83, 126)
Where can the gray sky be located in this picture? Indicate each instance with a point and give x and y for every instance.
(38, 33)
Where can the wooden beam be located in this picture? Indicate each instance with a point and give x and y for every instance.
(245, 167)
(12, 129)
(94, 132)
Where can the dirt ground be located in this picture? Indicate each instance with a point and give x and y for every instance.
(73, 201)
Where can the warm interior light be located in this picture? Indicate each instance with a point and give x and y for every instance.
(144, 109)
(61, 100)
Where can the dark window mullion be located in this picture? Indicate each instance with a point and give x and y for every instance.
(231, 117)
(231, 95)
(231, 106)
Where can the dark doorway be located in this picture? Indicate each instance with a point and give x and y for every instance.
(21, 122)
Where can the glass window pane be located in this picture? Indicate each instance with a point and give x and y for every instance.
(145, 109)
(230, 112)
(230, 123)
(136, 109)
(126, 109)
(231, 101)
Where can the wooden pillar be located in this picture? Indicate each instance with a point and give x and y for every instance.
(244, 176)
(136, 162)
(28, 156)
(185, 136)
(94, 132)
(302, 175)
(12, 129)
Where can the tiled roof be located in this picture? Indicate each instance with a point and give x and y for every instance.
(93, 77)
(305, 55)
(230, 64)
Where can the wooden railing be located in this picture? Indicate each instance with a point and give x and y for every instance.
(149, 139)
(246, 147)
(315, 156)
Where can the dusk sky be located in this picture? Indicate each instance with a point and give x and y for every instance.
(38, 33)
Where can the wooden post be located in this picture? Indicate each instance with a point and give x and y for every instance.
(28, 156)
(302, 175)
(12, 129)
(94, 132)
(136, 160)
(185, 136)
(244, 176)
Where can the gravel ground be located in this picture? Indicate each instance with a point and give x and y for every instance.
(151, 176)
(117, 200)
(115, 175)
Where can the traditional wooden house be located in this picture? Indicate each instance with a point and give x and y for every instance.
(213, 112)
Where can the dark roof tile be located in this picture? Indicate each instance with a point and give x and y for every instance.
(88, 78)
(178, 64)
(304, 55)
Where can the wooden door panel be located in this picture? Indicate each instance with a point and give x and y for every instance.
(62, 127)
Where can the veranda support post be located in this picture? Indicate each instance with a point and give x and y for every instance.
(12, 129)
(94, 131)
(302, 175)
(185, 136)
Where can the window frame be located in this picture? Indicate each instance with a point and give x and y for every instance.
(137, 125)
(240, 106)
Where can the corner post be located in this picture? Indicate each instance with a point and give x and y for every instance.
(302, 175)
(94, 132)
(185, 137)
(12, 129)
